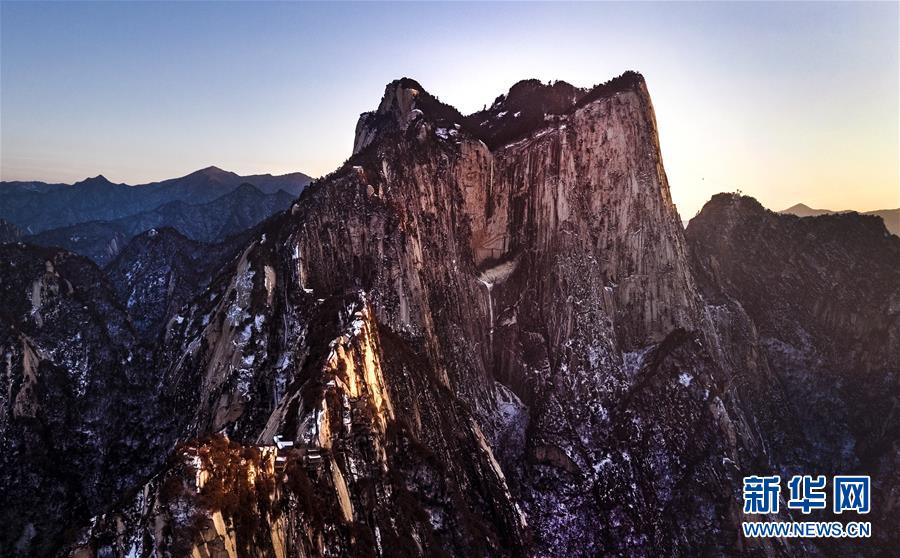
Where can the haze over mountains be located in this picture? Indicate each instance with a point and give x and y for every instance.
(484, 336)
(96, 218)
(37, 206)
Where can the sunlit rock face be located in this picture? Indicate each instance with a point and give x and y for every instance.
(485, 337)
(527, 306)
(402, 465)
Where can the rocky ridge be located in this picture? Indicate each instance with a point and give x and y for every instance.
(78, 426)
(823, 295)
(891, 217)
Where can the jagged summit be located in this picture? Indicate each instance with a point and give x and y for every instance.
(404, 101)
(497, 287)
(552, 97)
(528, 106)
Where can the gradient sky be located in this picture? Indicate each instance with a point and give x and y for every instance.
(786, 102)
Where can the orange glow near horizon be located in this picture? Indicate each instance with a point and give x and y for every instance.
(787, 102)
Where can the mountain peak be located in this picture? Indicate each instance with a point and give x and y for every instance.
(213, 171)
(98, 180)
(399, 97)
(732, 201)
(552, 97)
(525, 108)
(797, 207)
(405, 83)
(803, 210)
(404, 101)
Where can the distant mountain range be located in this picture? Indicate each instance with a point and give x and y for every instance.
(35, 207)
(209, 222)
(891, 217)
(96, 218)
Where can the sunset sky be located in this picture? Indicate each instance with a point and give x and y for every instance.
(786, 102)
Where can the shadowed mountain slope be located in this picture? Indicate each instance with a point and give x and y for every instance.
(210, 222)
(36, 207)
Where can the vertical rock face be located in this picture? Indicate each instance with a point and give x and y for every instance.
(526, 305)
(591, 186)
(484, 336)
